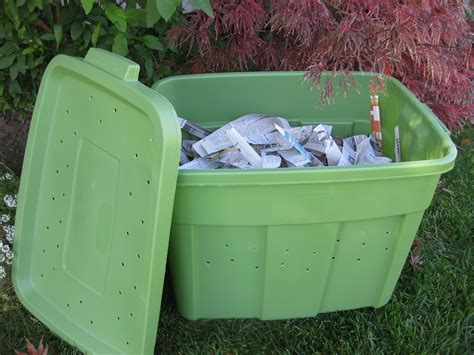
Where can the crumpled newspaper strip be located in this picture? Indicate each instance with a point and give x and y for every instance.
(253, 128)
(201, 163)
(322, 142)
(359, 150)
(247, 151)
(193, 128)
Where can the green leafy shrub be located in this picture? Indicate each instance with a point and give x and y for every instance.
(34, 31)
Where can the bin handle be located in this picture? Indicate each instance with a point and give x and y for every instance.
(115, 64)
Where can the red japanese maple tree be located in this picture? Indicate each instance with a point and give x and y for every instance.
(424, 43)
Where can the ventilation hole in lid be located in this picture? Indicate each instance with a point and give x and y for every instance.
(307, 269)
(120, 292)
(138, 256)
(143, 222)
(57, 246)
(333, 258)
(67, 305)
(363, 243)
(386, 248)
(130, 193)
(118, 318)
(60, 221)
(47, 227)
(61, 141)
(127, 343)
(131, 314)
(90, 97)
(287, 250)
(314, 252)
(282, 264)
(42, 275)
(67, 111)
(53, 198)
(75, 133)
(57, 171)
(232, 260)
(134, 287)
(227, 245)
(148, 182)
(44, 250)
(54, 268)
(100, 121)
(136, 155)
(208, 262)
(256, 267)
(338, 240)
(92, 322)
(358, 259)
(67, 165)
(80, 301)
(128, 233)
(64, 195)
(123, 264)
(387, 232)
(115, 109)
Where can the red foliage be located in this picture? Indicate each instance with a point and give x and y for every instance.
(424, 43)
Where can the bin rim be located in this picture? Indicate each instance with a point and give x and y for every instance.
(193, 177)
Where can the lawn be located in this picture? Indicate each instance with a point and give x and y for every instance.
(431, 310)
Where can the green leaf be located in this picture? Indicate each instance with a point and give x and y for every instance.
(38, 3)
(136, 17)
(2, 89)
(20, 3)
(166, 8)
(87, 5)
(48, 37)
(120, 45)
(14, 72)
(86, 36)
(95, 34)
(142, 51)
(7, 48)
(152, 42)
(28, 50)
(152, 14)
(116, 15)
(5, 62)
(204, 5)
(58, 34)
(76, 30)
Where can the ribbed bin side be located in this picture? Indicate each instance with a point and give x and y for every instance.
(288, 271)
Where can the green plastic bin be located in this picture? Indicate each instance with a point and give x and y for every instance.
(100, 179)
(292, 243)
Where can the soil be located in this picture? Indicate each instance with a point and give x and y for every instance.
(13, 136)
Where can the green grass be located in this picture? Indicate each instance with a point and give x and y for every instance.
(431, 309)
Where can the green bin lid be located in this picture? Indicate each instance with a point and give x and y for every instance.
(95, 204)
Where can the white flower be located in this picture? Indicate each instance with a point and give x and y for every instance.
(10, 232)
(9, 255)
(6, 248)
(2, 257)
(4, 218)
(7, 176)
(3, 273)
(10, 200)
